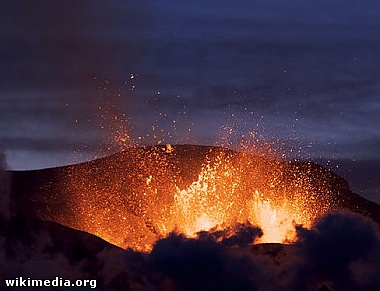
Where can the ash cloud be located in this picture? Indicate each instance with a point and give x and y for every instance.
(341, 252)
(203, 263)
(240, 235)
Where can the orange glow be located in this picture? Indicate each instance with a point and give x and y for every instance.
(277, 223)
(216, 200)
(141, 195)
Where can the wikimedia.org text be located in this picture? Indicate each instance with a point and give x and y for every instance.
(57, 282)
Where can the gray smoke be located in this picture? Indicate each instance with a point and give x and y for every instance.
(203, 264)
(340, 252)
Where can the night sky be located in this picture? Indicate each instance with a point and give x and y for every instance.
(305, 74)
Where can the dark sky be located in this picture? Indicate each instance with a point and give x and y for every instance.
(305, 73)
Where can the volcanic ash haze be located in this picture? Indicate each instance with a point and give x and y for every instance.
(140, 195)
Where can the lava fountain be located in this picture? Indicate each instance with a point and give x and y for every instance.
(140, 195)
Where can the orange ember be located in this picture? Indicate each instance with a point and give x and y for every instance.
(138, 196)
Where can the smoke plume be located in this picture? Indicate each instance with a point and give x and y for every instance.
(340, 252)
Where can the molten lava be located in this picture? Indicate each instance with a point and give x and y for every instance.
(143, 194)
(221, 197)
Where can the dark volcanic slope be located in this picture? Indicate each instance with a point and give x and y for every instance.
(46, 250)
(48, 193)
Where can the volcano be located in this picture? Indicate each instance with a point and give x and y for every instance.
(145, 200)
(138, 188)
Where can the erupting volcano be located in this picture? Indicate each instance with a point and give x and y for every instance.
(170, 213)
(140, 195)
